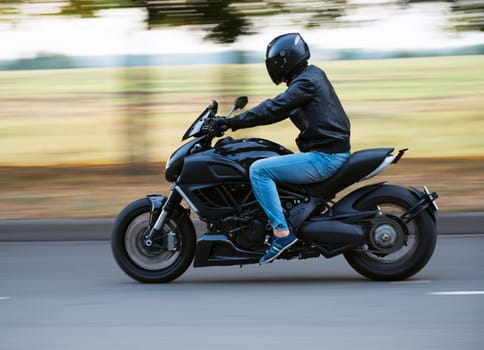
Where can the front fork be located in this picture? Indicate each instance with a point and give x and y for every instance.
(167, 205)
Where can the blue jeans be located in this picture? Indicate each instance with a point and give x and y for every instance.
(298, 168)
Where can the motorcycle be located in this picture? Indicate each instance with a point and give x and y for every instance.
(385, 232)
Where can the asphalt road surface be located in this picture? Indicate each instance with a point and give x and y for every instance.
(72, 295)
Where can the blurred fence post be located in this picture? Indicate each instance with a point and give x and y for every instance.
(238, 58)
(136, 102)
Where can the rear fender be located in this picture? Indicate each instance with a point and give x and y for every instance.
(345, 210)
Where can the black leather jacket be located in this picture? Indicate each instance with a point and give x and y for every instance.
(313, 106)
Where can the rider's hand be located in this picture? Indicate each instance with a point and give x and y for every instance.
(222, 123)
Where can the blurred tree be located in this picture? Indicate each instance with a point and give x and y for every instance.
(41, 61)
(467, 15)
(226, 20)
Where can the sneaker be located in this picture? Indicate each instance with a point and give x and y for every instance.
(279, 244)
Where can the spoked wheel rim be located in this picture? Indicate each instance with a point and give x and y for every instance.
(153, 258)
(390, 239)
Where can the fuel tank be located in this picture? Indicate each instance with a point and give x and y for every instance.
(228, 160)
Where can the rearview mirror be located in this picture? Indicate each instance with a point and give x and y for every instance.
(241, 102)
(213, 106)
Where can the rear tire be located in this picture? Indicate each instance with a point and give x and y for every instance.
(395, 250)
(151, 265)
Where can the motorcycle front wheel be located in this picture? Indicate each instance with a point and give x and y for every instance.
(395, 249)
(161, 262)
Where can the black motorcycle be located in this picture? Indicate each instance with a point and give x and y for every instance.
(385, 232)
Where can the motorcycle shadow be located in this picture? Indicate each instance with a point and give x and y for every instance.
(268, 274)
(294, 280)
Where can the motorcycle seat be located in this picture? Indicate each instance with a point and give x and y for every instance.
(357, 167)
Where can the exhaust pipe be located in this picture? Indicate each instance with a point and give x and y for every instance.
(322, 230)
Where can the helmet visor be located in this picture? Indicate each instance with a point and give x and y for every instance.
(275, 70)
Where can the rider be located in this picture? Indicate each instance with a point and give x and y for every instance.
(324, 139)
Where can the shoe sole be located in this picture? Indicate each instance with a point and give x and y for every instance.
(280, 252)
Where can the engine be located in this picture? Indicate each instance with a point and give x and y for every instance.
(246, 232)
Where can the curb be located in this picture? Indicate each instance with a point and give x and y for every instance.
(100, 229)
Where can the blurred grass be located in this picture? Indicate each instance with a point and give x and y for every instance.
(103, 190)
(63, 133)
(431, 105)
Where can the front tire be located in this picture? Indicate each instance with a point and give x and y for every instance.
(395, 249)
(149, 264)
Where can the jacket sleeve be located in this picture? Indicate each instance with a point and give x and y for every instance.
(278, 108)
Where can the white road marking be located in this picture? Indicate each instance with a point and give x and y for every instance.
(469, 292)
(4, 298)
(462, 235)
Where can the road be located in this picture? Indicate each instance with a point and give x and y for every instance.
(71, 295)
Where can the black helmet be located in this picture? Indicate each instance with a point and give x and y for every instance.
(284, 55)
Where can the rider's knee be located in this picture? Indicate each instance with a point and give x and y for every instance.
(256, 170)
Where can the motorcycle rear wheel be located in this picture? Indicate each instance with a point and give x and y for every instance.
(396, 250)
(150, 264)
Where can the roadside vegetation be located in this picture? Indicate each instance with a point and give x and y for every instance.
(67, 136)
